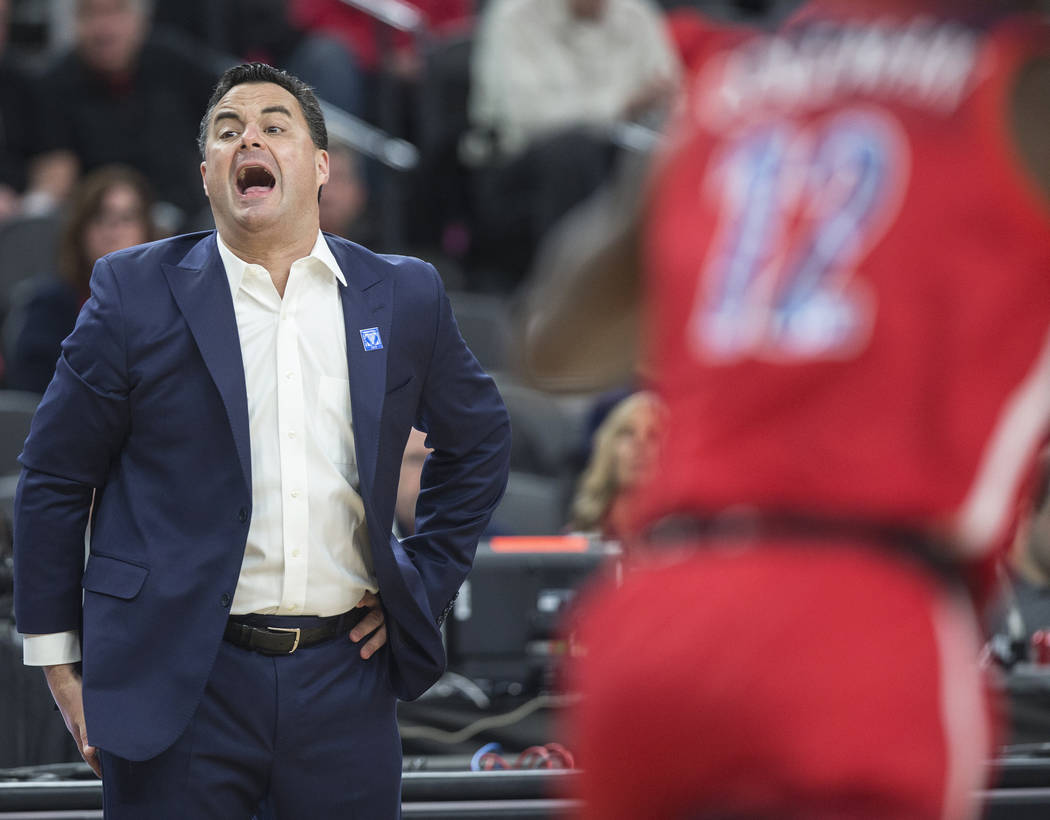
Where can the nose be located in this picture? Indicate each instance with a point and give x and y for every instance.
(251, 137)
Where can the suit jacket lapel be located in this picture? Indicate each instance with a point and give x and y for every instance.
(202, 292)
(367, 304)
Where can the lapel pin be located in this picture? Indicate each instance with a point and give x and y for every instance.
(370, 339)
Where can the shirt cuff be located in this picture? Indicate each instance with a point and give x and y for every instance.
(48, 650)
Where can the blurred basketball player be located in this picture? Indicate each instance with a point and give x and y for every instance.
(846, 248)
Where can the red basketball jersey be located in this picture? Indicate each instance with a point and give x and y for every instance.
(849, 279)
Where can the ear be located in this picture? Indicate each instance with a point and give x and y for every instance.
(322, 167)
(204, 177)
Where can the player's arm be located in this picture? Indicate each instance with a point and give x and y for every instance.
(1030, 120)
(580, 317)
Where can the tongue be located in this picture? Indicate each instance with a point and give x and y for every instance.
(257, 190)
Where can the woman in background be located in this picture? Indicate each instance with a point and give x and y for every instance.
(625, 447)
(110, 210)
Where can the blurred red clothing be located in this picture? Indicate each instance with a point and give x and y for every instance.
(796, 681)
(696, 36)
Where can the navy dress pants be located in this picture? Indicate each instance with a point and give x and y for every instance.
(309, 735)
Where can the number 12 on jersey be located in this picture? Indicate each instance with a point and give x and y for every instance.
(799, 208)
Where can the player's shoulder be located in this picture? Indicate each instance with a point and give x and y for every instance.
(1016, 80)
(1030, 119)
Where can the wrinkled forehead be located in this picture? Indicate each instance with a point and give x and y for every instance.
(249, 100)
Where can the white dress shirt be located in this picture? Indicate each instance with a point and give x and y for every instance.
(307, 551)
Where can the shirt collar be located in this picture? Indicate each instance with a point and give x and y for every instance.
(235, 266)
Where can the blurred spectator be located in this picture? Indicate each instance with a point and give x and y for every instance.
(110, 210)
(344, 198)
(389, 61)
(1020, 625)
(1030, 561)
(549, 80)
(416, 452)
(262, 30)
(15, 137)
(598, 412)
(364, 36)
(625, 448)
(123, 96)
(1025, 606)
(542, 66)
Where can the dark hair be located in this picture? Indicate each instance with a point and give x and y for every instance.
(262, 73)
(74, 262)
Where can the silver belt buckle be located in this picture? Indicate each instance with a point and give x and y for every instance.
(295, 629)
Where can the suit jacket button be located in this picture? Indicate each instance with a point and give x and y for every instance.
(225, 599)
(242, 515)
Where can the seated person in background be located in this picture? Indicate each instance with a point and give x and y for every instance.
(377, 48)
(15, 136)
(121, 95)
(1030, 559)
(596, 414)
(625, 447)
(1024, 607)
(543, 66)
(345, 197)
(549, 79)
(1020, 627)
(263, 31)
(110, 210)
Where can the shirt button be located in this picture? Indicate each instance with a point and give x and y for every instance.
(295, 553)
(225, 599)
(289, 374)
(242, 515)
(291, 434)
(293, 606)
(294, 493)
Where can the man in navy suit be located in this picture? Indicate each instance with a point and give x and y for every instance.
(229, 414)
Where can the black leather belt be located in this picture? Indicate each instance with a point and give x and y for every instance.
(284, 640)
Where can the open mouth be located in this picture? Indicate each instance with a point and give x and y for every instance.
(254, 180)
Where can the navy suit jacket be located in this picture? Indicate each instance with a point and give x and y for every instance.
(145, 426)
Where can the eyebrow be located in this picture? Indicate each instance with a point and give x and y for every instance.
(224, 115)
(270, 109)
